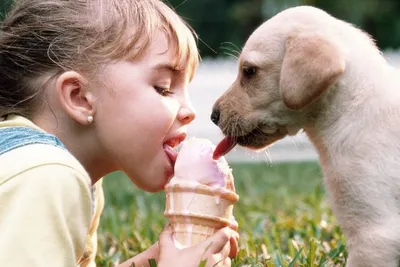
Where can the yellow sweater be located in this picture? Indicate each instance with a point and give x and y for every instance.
(46, 216)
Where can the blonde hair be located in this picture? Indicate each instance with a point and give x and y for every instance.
(43, 38)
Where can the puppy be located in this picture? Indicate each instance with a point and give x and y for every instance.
(304, 69)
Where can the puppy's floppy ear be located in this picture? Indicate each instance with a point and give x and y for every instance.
(310, 65)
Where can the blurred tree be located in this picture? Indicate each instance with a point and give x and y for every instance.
(272, 7)
(4, 5)
(223, 26)
(232, 21)
(379, 18)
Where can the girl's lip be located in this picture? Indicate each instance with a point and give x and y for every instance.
(175, 140)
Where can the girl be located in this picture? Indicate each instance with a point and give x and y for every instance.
(88, 87)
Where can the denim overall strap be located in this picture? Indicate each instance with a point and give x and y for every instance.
(14, 137)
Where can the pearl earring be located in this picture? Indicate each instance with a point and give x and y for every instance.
(90, 119)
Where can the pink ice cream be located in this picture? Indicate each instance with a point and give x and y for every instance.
(201, 195)
(195, 163)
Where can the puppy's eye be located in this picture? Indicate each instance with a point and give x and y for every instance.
(249, 71)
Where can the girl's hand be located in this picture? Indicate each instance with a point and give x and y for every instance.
(216, 250)
(143, 258)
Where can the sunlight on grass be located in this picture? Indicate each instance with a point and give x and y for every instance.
(283, 216)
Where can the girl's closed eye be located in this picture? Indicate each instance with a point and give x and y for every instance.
(163, 90)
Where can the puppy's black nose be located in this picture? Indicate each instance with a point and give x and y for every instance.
(215, 116)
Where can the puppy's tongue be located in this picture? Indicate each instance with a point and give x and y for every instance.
(226, 145)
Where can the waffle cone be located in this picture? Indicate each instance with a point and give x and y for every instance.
(197, 211)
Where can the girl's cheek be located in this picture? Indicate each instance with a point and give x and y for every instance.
(171, 104)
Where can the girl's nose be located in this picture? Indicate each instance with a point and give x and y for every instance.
(186, 114)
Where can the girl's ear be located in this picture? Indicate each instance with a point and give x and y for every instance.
(75, 99)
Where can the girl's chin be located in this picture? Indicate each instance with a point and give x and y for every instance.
(152, 178)
(153, 182)
(154, 190)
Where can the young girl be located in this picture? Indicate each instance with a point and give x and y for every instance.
(88, 87)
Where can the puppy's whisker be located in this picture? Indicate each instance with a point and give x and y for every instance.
(209, 47)
(268, 157)
(237, 127)
(292, 139)
(235, 52)
(258, 157)
(225, 45)
(241, 130)
(228, 128)
(231, 128)
(258, 129)
(235, 49)
(231, 55)
(300, 140)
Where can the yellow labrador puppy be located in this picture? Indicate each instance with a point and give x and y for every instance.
(304, 69)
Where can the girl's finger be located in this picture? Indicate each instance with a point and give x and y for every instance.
(216, 242)
(234, 247)
(218, 261)
(166, 238)
(225, 251)
(227, 262)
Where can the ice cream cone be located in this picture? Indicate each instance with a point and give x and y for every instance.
(197, 211)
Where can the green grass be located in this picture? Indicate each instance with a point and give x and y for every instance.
(283, 216)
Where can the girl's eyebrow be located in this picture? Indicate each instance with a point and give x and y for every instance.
(164, 66)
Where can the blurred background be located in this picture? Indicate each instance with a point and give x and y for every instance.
(284, 219)
(223, 27)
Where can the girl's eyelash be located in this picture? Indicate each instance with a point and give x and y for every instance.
(163, 91)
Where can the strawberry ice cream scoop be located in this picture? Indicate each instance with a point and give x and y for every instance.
(195, 163)
(199, 199)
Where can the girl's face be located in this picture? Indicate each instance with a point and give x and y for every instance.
(141, 113)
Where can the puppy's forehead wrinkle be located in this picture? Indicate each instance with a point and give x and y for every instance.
(257, 52)
(248, 62)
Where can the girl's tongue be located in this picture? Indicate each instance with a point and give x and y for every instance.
(171, 147)
(171, 153)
